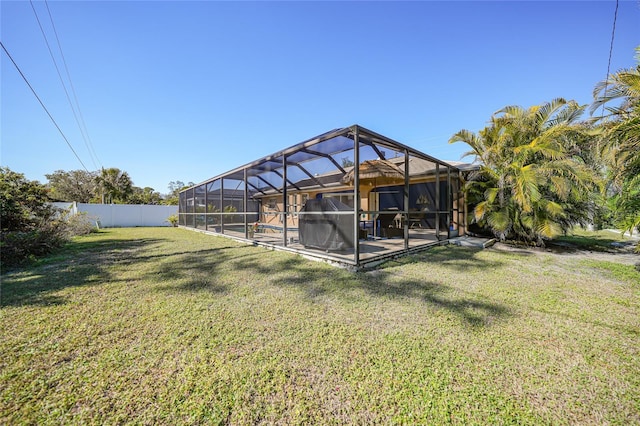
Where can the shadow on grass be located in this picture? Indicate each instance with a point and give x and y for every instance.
(199, 270)
(470, 308)
(595, 242)
(214, 269)
(316, 281)
(79, 263)
(461, 259)
(581, 319)
(85, 263)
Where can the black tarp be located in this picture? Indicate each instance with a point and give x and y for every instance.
(325, 224)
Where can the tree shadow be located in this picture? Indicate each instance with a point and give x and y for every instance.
(199, 270)
(472, 309)
(578, 243)
(80, 263)
(315, 282)
(83, 263)
(202, 270)
(615, 327)
(463, 259)
(515, 251)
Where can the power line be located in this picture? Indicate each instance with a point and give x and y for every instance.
(64, 87)
(73, 90)
(613, 34)
(43, 106)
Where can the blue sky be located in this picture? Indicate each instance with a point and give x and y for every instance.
(188, 90)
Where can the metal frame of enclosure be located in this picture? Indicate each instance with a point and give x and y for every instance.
(299, 199)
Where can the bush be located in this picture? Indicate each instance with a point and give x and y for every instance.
(79, 224)
(18, 246)
(173, 220)
(22, 245)
(31, 226)
(23, 203)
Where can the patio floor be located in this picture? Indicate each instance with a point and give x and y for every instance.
(372, 249)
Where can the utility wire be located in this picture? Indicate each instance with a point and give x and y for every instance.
(606, 81)
(73, 90)
(64, 87)
(43, 106)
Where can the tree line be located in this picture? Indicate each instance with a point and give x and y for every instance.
(106, 186)
(30, 226)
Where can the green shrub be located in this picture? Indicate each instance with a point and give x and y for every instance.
(18, 246)
(31, 226)
(173, 220)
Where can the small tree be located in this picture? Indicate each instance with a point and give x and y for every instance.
(533, 183)
(146, 195)
(23, 203)
(175, 186)
(115, 185)
(29, 224)
(75, 185)
(173, 220)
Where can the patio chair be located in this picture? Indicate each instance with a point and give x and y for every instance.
(388, 223)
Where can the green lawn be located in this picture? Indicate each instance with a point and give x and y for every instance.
(164, 325)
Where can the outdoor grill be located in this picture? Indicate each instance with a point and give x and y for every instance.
(326, 224)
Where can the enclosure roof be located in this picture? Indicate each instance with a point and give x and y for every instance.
(326, 147)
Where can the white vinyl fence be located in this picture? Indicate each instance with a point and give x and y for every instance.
(123, 215)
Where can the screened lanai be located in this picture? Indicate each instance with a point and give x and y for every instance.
(310, 199)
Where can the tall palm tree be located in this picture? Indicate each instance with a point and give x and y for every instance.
(619, 96)
(531, 184)
(115, 185)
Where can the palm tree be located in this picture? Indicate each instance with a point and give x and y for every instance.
(531, 183)
(116, 185)
(619, 96)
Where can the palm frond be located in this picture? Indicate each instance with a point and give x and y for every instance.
(546, 111)
(480, 210)
(554, 209)
(548, 229)
(490, 195)
(499, 221)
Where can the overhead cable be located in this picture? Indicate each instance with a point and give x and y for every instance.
(73, 90)
(43, 106)
(64, 87)
(613, 34)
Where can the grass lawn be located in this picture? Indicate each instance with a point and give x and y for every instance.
(164, 325)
